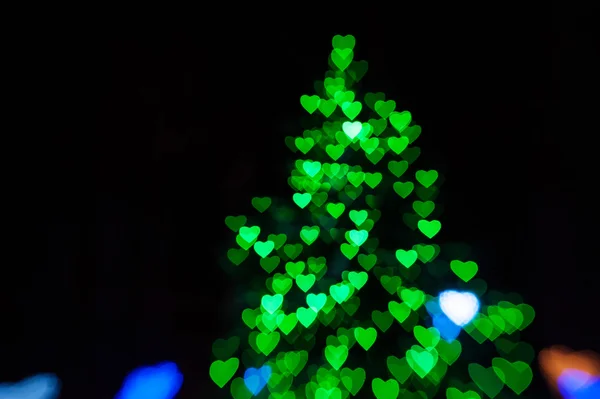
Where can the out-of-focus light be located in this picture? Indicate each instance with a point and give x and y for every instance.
(256, 379)
(459, 307)
(577, 384)
(162, 381)
(40, 386)
(448, 330)
(574, 374)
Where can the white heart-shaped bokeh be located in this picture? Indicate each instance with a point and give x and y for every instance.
(459, 307)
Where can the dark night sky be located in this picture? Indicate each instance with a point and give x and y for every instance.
(118, 182)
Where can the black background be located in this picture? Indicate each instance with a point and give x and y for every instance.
(118, 184)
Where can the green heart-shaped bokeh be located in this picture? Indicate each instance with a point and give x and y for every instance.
(339, 280)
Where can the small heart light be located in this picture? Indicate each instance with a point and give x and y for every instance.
(459, 307)
(448, 330)
(256, 379)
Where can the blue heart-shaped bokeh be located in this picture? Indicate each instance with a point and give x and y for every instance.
(162, 381)
(577, 384)
(256, 379)
(41, 386)
(433, 307)
(448, 330)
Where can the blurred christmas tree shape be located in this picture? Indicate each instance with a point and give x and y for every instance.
(331, 313)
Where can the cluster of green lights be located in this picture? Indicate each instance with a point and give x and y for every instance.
(306, 327)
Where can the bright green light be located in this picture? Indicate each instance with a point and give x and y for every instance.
(317, 251)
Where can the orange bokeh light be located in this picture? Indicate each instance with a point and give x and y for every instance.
(555, 360)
